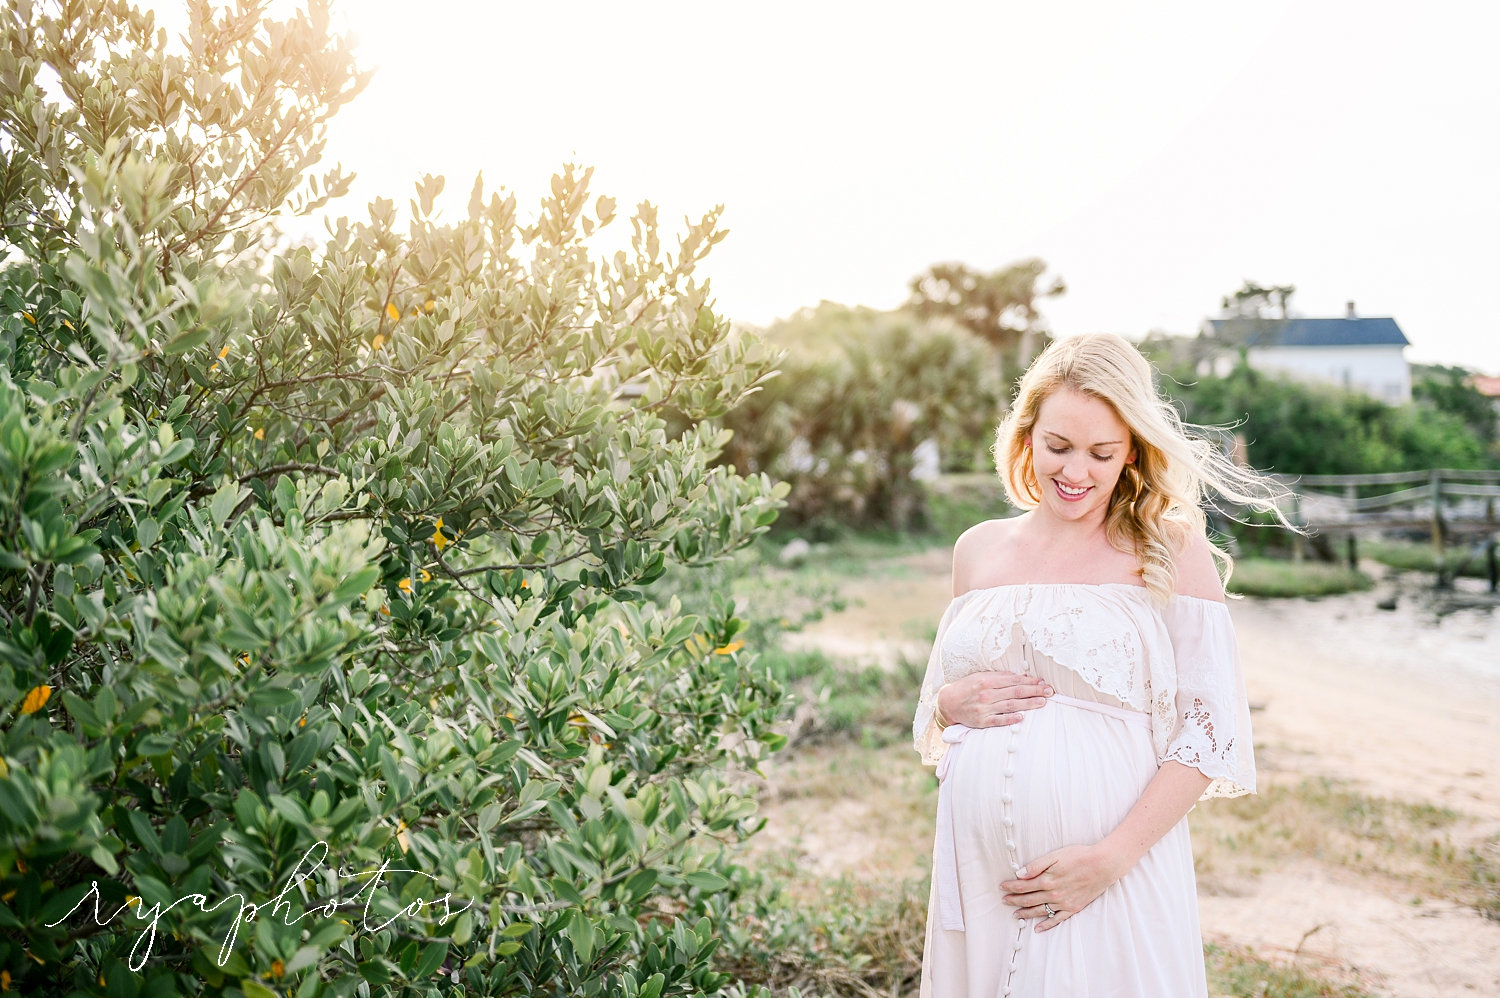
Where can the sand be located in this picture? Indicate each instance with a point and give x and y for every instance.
(1399, 704)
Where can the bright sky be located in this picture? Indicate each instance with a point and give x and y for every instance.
(1155, 155)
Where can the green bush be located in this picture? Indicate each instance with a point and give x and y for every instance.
(326, 575)
(856, 391)
(1295, 428)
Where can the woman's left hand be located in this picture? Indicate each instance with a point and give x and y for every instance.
(1068, 879)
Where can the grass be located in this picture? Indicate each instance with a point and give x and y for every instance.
(1276, 578)
(1410, 847)
(1237, 972)
(1420, 557)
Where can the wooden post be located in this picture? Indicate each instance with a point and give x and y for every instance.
(1439, 530)
(1493, 564)
(1353, 553)
(1298, 541)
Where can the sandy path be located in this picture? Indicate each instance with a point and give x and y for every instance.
(1395, 703)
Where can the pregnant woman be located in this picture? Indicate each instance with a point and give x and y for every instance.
(1062, 864)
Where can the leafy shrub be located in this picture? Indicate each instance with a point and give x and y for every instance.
(326, 574)
(856, 392)
(1292, 427)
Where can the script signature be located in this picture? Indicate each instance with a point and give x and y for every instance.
(248, 911)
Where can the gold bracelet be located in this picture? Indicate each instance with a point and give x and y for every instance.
(937, 710)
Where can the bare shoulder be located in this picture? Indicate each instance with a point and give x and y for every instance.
(1197, 569)
(977, 547)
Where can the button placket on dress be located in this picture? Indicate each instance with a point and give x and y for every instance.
(1007, 797)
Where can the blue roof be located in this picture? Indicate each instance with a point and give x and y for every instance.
(1357, 332)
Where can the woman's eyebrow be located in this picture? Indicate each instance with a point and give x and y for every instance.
(1059, 436)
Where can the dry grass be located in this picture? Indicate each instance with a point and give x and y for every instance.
(1411, 849)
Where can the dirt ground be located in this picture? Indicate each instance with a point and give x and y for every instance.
(1400, 704)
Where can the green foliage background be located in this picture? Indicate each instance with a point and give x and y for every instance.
(1294, 427)
(347, 548)
(857, 390)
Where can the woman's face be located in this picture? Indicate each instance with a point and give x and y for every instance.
(1079, 448)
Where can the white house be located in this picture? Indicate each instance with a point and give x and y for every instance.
(1357, 352)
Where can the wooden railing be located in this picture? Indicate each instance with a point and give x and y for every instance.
(1447, 502)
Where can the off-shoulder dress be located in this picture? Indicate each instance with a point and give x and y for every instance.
(1136, 684)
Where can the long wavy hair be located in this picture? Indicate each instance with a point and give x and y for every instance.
(1159, 499)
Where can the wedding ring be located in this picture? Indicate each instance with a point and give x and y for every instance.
(1051, 911)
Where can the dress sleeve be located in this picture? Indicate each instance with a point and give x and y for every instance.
(1210, 730)
(925, 735)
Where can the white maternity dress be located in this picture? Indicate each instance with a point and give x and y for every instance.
(1136, 684)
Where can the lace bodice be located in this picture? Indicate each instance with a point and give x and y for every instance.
(1108, 643)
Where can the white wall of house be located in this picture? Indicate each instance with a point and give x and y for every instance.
(1380, 371)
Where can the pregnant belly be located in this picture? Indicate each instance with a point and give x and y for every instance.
(1066, 775)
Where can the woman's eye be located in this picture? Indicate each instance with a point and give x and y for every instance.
(1057, 450)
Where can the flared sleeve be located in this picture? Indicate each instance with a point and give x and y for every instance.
(1209, 725)
(925, 735)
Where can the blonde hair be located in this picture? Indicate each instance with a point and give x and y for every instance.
(1158, 501)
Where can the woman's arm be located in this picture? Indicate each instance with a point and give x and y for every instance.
(1070, 878)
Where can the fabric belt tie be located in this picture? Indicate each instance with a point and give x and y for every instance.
(945, 857)
(950, 907)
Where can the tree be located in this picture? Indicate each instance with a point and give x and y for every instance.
(1451, 390)
(1000, 308)
(1256, 302)
(319, 559)
(857, 390)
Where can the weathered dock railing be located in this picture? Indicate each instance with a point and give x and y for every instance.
(1447, 502)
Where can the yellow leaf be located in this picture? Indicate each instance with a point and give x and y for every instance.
(302, 721)
(401, 839)
(260, 433)
(429, 306)
(4, 980)
(20, 864)
(426, 575)
(225, 352)
(36, 699)
(525, 584)
(213, 367)
(67, 323)
(404, 585)
(4, 767)
(278, 969)
(377, 342)
(386, 610)
(730, 648)
(578, 719)
(29, 317)
(392, 312)
(7, 896)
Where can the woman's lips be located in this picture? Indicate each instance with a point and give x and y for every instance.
(1067, 496)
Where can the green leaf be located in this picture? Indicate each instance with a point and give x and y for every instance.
(706, 881)
(431, 959)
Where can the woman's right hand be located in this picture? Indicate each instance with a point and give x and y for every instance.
(985, 699)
